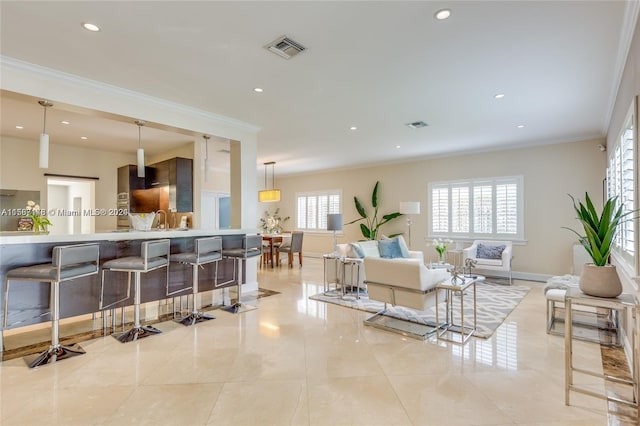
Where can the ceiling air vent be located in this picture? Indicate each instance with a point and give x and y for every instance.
(224, 151)
(417, 124)
(285, 47)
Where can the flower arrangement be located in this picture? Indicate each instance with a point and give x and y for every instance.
(441, 244)
(272, 224)
(37, 216)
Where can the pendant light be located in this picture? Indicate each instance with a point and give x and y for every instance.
(206, 157)
(269, 195)
(44, 138)
(140, 150)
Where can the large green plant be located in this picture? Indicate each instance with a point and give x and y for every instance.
(372, 223)
(599, 229)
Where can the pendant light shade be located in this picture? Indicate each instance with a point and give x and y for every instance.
(140, 150)
(206, 157)
(44, 138)
(273, 194)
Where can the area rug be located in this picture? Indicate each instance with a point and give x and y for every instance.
(494, 302)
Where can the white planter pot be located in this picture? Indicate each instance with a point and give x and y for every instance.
(600, 281)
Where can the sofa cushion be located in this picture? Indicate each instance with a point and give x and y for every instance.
(489, 252)
(370, 248)
(488, 262)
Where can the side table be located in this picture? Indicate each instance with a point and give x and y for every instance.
(575, 297)
(450, 290)
(354, 266)
(330, 271)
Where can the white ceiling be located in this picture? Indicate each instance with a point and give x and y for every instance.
(374, 65)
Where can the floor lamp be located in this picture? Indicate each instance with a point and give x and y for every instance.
(334, 223)
(409, 208)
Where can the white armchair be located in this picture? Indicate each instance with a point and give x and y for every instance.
(492, 256)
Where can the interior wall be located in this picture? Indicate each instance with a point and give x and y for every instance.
(19, 170)
(550, 173)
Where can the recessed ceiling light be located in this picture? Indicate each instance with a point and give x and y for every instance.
(84, 138)
(397, 146)
(19, 127)
(90, 27)
(353, 128)
(520, 126)
(442, 14)
(258, 89)
(65, 122)
(499, 96)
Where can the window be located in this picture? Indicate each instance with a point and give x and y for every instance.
(312, 209)
(489, 208)
(621, 183)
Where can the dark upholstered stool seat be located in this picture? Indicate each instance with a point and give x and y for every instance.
(135, 263)
(242, 253)
(68, 263)
(206, 250)
(154, 255)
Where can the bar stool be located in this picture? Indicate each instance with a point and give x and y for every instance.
(154, 255)
(68, 263)
(206, 250)
(251, 246)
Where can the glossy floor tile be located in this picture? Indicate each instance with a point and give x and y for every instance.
(294, 361)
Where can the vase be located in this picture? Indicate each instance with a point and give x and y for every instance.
(600, 281)
(441, 257)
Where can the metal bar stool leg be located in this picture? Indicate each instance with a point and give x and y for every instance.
(138, 331)
(195, 316)
(56, 351)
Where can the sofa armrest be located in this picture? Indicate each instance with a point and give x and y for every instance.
(414, 254)
(470, 252)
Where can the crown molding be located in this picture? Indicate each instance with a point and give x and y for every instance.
(627, 31)
(8, 63)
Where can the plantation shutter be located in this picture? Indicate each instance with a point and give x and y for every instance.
(440, 209)
(312, 209)
(482, 209)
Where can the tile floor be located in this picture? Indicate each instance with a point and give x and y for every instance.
(294, 361)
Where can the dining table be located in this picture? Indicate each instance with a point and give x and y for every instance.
(272, 239)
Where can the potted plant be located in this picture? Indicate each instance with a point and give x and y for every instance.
(373, 223)
(599, 278)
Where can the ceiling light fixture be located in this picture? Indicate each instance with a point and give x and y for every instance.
(442, 14)
(397, 146)
(206, 157)
(64, 122)
(258, 89)
(90, 27)
(417, 124)
(520, 126)
(353, 128)
(140, 150)
(269, 195)
(19, 127)
(499, 96)
(84, 138)
(44, 137)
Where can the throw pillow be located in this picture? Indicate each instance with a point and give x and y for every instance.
(370, 248)
(390, 248)
(489, 252)
(404, 249)
(355, 251)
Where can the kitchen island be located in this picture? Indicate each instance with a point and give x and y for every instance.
(29, 301)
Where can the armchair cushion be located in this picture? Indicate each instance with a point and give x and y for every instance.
(370, 248)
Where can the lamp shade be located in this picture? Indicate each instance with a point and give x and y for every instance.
(410, 207)
(334, 222)
(269, 195)
(44, 151)
(141, 162)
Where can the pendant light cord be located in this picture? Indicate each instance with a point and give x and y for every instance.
(44, 122)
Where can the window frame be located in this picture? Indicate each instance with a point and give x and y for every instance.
(316, 194)
(471, 185)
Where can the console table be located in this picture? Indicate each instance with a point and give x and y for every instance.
(575, 297)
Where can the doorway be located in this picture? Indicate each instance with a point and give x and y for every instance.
(70, 205)
(216, 210)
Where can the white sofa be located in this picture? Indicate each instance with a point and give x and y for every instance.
(408, 284)
(371, 249)
(501, 263)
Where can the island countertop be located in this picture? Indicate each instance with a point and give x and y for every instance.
(20, 237)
